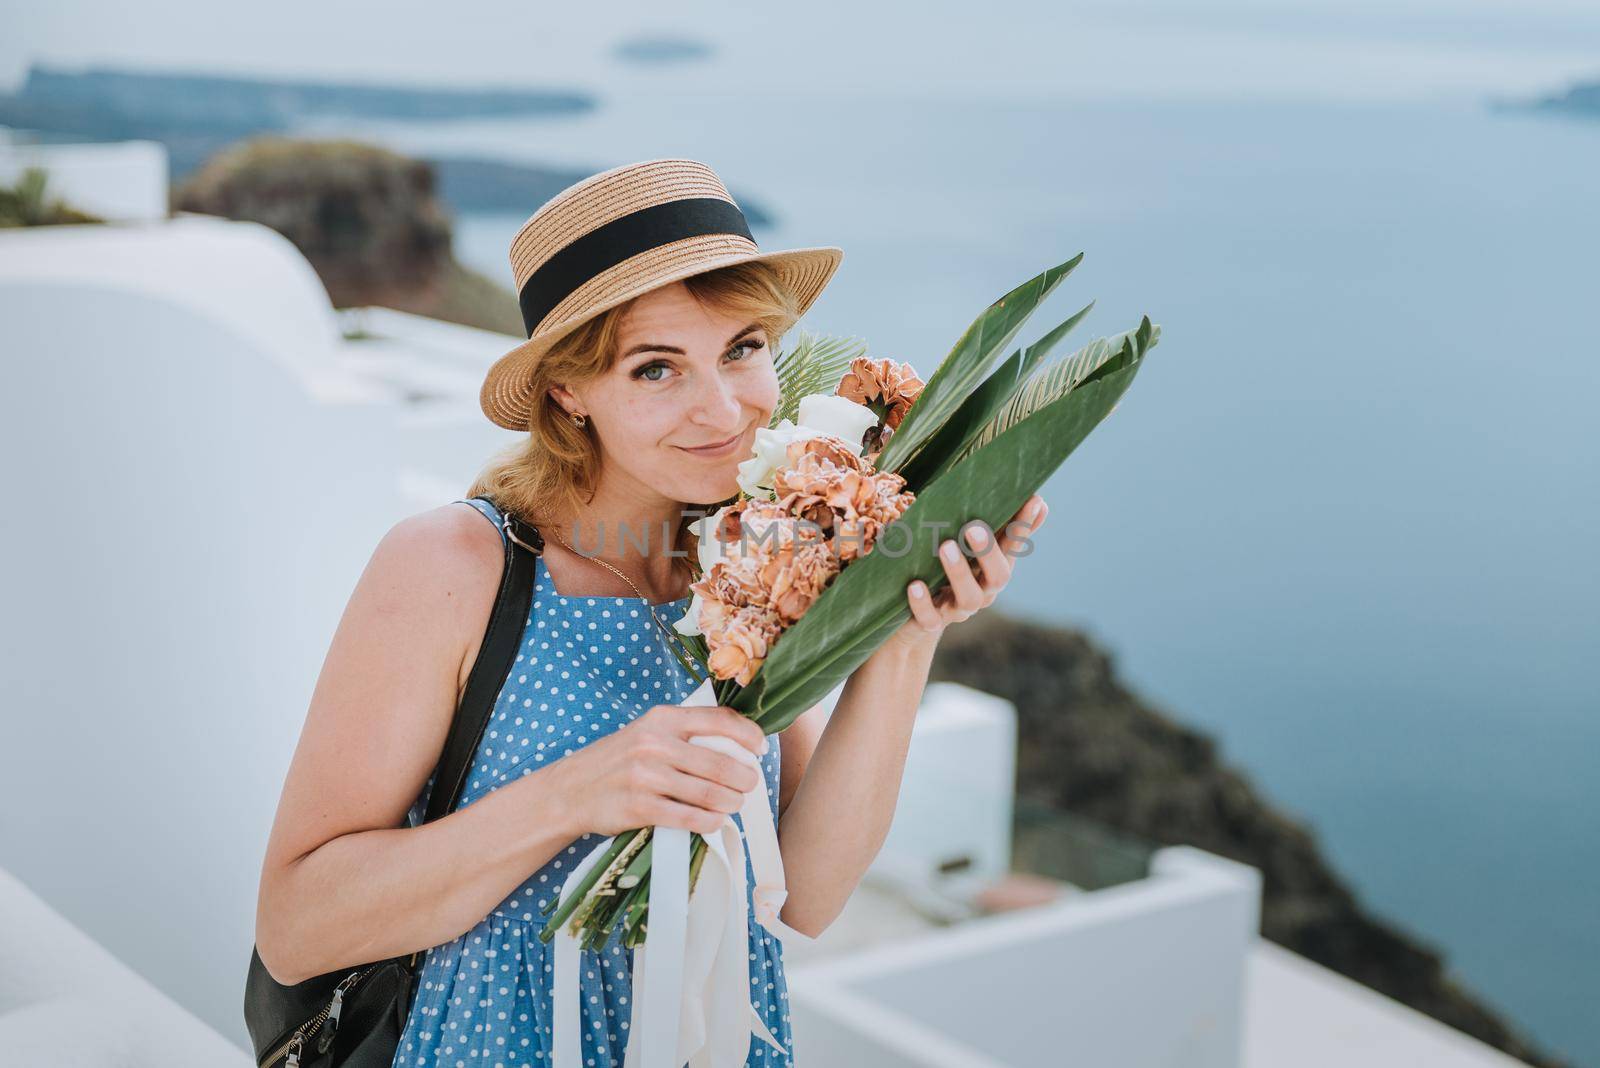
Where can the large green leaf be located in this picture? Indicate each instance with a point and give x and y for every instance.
(978, 409)
(867, 601)
(967, 364)
(844, 658)
(814, 365)
(1053, 382)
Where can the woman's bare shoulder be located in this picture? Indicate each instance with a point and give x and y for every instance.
(416, 615)
(451, 554)
(449, 538)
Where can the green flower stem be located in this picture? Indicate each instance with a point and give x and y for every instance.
(636, 869)
(633, 924)
(628, 906)
(638, 911)
(697, 857)
(566, 907)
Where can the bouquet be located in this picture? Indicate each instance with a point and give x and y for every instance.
(863, 471)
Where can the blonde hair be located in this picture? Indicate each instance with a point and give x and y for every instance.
(553, 472)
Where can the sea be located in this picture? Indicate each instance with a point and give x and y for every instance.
(1346, 519)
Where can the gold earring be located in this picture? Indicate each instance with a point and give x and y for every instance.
(580, 420)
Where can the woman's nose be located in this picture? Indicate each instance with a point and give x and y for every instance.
(720, 406)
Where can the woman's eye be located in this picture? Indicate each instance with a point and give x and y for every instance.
(643, 371)
(749, 347)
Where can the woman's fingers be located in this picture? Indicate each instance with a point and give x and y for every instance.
(717, 767)
(967, 593)
(922, 606)
(664, 812)
(675, 782)
(719, 719)
(701, 793)
(994, 565)
(964, 586)
(1029, 518)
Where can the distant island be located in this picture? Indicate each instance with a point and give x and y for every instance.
(662, 49)
(196, 116)
(1582, 99)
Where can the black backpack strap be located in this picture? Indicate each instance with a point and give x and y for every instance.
(496, 655)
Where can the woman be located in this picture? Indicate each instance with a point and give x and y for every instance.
(652, 321)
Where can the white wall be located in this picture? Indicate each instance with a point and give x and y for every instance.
(1301, 1013)
(182, 525)
(119, 181)
(956, 797)
(65, 1001)
(1148, 974)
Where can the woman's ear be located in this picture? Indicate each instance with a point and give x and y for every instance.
(565, 398)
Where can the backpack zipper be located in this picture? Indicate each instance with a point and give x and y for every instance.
(295, 1044)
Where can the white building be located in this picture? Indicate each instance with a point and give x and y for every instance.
(201, 454)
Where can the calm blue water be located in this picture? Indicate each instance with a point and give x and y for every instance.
(1346, 519)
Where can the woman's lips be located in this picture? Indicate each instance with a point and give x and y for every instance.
(724, 449)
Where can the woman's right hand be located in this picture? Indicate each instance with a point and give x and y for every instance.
(647, 773)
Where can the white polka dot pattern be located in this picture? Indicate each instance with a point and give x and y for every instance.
(587, 666)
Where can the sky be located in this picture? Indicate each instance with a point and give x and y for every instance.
(1316, 49)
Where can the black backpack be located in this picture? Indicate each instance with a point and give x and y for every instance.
(354, 1017)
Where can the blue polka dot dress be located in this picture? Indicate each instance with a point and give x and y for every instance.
(587, 666)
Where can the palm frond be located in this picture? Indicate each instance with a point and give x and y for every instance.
(1057, 379)
(968, 363)
(814, 364)
(948, 444)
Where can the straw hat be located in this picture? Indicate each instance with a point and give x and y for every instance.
(614, 236)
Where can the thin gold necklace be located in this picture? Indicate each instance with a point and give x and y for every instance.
(678, 646)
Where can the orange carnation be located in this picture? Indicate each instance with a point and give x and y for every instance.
(779, 555)
(887, 387)
(739, 638)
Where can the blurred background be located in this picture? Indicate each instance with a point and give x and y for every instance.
(1321, 599)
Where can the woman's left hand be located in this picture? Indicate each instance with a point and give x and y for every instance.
(967, 593)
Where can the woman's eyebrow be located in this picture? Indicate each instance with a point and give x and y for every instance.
(650, 347)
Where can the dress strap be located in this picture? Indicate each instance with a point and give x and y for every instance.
(512, 528)
(496, 654)
(486, 508)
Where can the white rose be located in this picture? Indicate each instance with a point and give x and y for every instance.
(820, 413)
(771, 451)
(690, 623)
(827, 413)
(708, 551)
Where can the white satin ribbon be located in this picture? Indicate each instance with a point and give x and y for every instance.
(566, 1040)
(691, 978)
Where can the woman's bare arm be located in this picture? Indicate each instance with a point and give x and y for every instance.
(843, 806)
(343, 881)
(797, 742)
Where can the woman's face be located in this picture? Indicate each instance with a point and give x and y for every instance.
(686, 376)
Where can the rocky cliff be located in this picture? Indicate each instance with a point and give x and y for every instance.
(370, 221)
(1090, 746)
